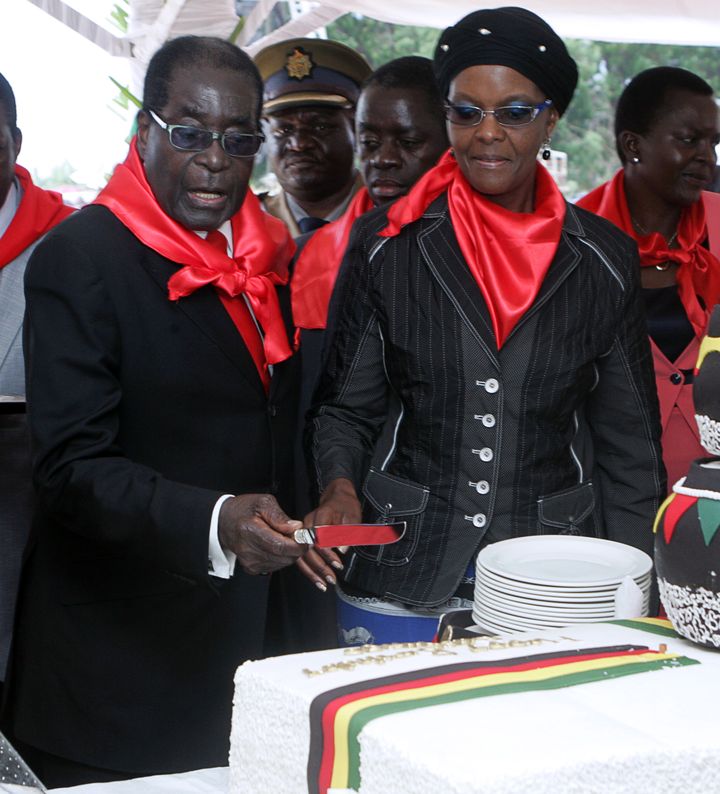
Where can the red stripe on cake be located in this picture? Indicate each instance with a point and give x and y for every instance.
(324, 708)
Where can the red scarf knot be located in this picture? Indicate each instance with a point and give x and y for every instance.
(698, 269)
(189, 278)
(38, 212)
(508, 253)
(262, 251)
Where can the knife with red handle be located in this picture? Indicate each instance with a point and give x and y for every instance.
(334, 535)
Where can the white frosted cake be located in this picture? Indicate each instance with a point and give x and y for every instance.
(615, 707)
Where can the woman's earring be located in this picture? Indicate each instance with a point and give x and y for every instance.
(635, 159)
(546, 150)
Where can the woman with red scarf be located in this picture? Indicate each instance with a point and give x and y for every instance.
(487, 372)
(666, 131)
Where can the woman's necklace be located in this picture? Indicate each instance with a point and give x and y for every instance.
(639, 227)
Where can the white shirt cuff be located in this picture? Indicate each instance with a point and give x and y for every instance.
(221, 563)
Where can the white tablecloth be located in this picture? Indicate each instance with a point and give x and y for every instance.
(202, 781)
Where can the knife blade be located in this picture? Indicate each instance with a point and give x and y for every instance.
(334, 535)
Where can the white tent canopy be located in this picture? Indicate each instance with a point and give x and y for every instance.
(691, 22)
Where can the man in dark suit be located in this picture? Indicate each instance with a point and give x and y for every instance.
(162, 395)
(27, 212)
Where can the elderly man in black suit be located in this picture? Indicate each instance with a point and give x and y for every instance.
(162, 394)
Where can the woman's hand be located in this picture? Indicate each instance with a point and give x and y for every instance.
(339, 504)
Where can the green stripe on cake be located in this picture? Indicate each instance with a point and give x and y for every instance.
(650, 628)
(362, 718)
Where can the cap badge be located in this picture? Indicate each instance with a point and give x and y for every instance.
(299, 64)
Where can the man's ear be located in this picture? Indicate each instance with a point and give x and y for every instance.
(143, 122)
(629, 144)
(17, 141)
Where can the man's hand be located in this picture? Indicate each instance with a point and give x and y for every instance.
(256, 529)
(338, 505)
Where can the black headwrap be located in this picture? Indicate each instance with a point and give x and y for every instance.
(513, 37)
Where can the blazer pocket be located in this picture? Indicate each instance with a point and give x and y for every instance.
(387, 499)
(568, 512)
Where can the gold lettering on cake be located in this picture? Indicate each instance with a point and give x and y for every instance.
(382, 654)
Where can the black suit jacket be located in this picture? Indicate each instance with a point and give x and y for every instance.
(143, 412)
(556, 432)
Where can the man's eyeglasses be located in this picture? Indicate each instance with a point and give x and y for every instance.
(464, 115)
(197, 139)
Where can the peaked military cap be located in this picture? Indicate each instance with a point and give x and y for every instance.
(310, 72)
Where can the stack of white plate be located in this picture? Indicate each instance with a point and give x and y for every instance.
(549, 581)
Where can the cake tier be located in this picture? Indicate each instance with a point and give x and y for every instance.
(616, 707)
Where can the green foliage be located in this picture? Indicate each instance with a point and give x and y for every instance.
(585, 133)
(119, 15)
(125, 98)
(380, 42)
(237, 30)
(59, 176)
(125, 101)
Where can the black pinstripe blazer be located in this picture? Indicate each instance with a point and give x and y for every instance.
(556, 432)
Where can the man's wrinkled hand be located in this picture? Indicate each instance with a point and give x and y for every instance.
(255, 528)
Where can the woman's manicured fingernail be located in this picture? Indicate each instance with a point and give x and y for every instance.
(321, 586)
(330, 579)
(337, 565)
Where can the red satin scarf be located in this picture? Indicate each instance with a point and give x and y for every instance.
(262, 251)
(317, 265)
(698, 270)
(38, 212)
(508, 253)
(241, 316)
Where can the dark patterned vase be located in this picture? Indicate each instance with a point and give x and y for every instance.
(687, 554)
(687, 541)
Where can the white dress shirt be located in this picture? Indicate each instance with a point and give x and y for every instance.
(221, 563)
(9, 207)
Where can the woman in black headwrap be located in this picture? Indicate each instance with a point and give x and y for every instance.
(488, 373)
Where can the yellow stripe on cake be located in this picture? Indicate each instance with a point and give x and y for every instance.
(662, 622)
(481, 681)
